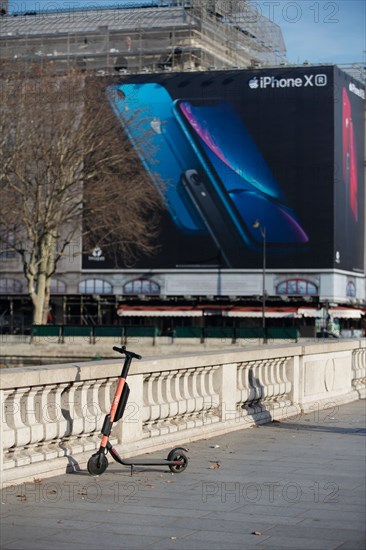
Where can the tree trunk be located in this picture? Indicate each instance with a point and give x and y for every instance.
(38, 308)
(46, 303)
(41, 296)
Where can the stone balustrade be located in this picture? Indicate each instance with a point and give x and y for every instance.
(51, 416)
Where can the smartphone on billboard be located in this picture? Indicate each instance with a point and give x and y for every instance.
(235, 175)
(222, 229)
(145, 112)
(349, 159)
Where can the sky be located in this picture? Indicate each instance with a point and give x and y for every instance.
(320, 31)
(317, 31)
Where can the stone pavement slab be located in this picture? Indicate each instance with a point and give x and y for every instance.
(298, 483)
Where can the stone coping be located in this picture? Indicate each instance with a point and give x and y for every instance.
(89, 370)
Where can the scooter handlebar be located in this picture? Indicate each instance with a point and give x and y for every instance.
(125, 352)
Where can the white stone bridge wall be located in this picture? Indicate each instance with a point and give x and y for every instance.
(51, 416)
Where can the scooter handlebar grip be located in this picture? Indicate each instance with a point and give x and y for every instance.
(120, 350)
(130, 353)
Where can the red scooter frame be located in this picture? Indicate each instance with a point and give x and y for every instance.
(177, 461)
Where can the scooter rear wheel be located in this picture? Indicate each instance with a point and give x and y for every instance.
(178, 456)
(97, 464)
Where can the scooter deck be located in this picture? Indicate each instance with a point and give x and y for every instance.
(148, 462)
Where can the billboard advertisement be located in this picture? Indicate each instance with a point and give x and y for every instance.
(245, 156)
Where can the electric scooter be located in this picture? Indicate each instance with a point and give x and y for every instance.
(177, 460)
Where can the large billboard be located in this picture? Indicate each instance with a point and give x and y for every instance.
(243, 156)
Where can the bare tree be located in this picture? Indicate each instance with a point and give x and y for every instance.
(67, 169)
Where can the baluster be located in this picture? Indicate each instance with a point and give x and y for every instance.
(8, 419)
(47, 399)
(17, 432)
(359, 369)
(22, 430)
(281, 378)
(73, 410)
(275, 380)
(197, 388)
(150, 398)
(249, 375)
(256, 380)
(169, 393)
(162, 425)
(34, 419)
(74, 422)
(266, 380)
(146, 412)
(179, 406)
(59, 418)
(250, 384)
(92, 410)
(211, 373)
(211, 399)
(242, 384)
(179, 391)
(162, 398)
(188, 391)
(284, 378)
(82, 403)
(104, 395)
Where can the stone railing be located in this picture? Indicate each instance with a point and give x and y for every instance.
(52, 416)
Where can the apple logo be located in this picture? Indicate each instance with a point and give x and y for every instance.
(253, 83)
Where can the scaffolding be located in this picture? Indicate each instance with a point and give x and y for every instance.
(195, 35)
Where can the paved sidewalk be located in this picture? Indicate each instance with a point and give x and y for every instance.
(297, 484)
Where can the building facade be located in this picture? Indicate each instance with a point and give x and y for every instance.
(285, 224)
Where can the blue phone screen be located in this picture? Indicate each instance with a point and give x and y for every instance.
(242, 170)
(226, 138)
(145, 111)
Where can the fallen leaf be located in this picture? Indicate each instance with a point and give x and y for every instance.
(173, 538)
(37, 480)
(257, 533)
(215, 466)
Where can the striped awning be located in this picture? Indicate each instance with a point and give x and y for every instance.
(333, 312)
(126, 311)
(224, 311)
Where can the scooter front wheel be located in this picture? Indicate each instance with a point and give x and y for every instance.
(97, 464)
(178, 456)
